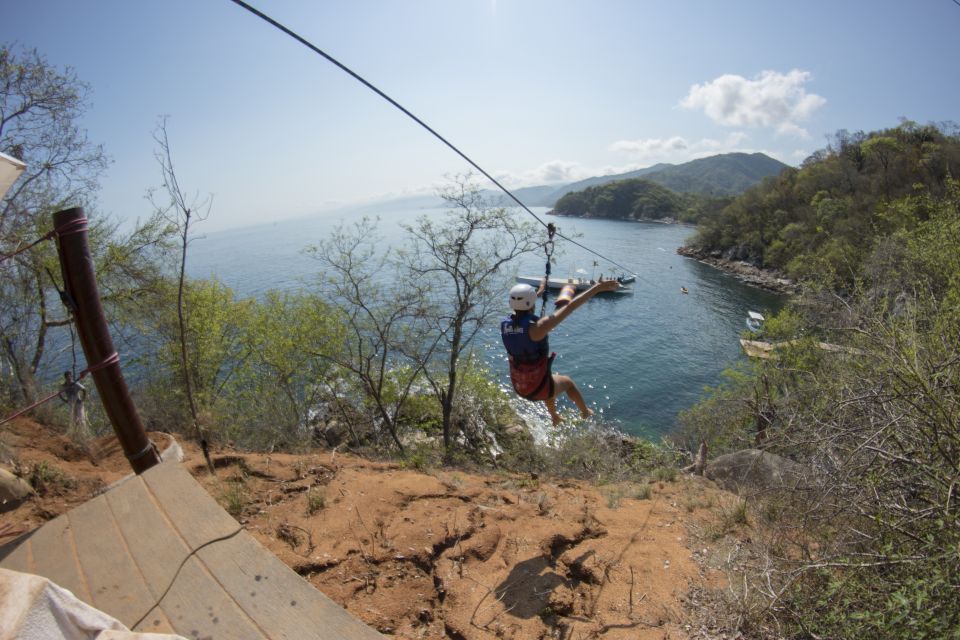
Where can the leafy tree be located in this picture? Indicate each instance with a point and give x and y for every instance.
(40, 107)
(387, 330)
(285, 380)
(180, 212)
(633, 199)
(826, 216)
(39, 110)
(463, 257)
(868, 545)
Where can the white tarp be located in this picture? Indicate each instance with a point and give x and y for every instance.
(10, 170)
(33, 608)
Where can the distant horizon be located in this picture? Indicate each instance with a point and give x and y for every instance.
(374, 203)
(537, 92)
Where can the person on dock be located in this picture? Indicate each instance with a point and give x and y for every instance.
(525, 334)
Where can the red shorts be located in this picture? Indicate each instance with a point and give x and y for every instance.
(532, 381)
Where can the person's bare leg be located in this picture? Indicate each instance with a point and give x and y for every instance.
(566, 384)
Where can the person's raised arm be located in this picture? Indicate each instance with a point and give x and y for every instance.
(546, 325)
(542, 287)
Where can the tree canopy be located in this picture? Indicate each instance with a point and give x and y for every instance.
(636, 199)
(823, 217)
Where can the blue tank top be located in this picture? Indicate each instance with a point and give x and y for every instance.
(516, 338)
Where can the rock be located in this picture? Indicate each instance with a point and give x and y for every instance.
(734, 261)
(752, 471)
(333, 433)
(13, 491)
(516, 430)
(482, 545)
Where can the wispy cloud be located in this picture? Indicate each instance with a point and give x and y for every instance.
(650, 146)
(646, 151)
(552, 172)
(771, 99)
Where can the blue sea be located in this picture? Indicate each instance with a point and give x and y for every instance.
(639, 359)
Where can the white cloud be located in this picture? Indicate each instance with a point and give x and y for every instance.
(645, 152)
(552, 172)
(650, 145)
(771, 99)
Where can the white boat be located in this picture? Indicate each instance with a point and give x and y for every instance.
(754, 321)
(580, 284)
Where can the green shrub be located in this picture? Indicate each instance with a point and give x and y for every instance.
(316, 501)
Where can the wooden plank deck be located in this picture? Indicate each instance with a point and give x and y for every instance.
(159, 554)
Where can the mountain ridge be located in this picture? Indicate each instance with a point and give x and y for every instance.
(725, 174)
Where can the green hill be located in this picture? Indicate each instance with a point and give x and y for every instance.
(727, 174)
(634, 199)
(825, 217)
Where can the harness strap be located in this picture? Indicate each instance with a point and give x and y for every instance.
(547, 378)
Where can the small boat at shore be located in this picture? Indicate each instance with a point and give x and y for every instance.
(579, 284)
(754, 321)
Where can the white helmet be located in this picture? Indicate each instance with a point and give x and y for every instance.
(523, 297)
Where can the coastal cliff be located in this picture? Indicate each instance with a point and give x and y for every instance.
(769, 279)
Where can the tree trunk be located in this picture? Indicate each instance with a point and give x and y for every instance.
(447, 397)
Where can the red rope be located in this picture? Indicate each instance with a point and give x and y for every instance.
(113, 358)
(33, 406)
(7, 256)
(74, 226)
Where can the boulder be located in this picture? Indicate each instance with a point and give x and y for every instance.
(333, 433)
(752, 471)
(13, 491)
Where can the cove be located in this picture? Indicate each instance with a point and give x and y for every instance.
(638, 359)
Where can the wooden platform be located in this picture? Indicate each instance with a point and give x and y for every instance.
(159, 554)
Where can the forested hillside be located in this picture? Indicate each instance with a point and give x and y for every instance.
(636, 199)
(727, 174)
(824, 217)
(865, 541)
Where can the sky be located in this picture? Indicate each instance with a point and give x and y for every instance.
(534, 91)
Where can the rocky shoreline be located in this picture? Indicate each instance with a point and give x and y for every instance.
(764, 278)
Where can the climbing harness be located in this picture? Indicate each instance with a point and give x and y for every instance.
(530, 366)
(537, 376)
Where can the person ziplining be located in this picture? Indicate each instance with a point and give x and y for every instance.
(525, 336)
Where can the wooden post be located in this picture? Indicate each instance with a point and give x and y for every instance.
(80, 283)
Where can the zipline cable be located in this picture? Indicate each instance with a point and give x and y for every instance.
(423, 124)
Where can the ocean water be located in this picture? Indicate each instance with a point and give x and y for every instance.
(638, 359)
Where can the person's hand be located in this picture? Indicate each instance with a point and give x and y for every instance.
(606, 285)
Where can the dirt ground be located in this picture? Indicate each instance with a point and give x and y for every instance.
(435, 554)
